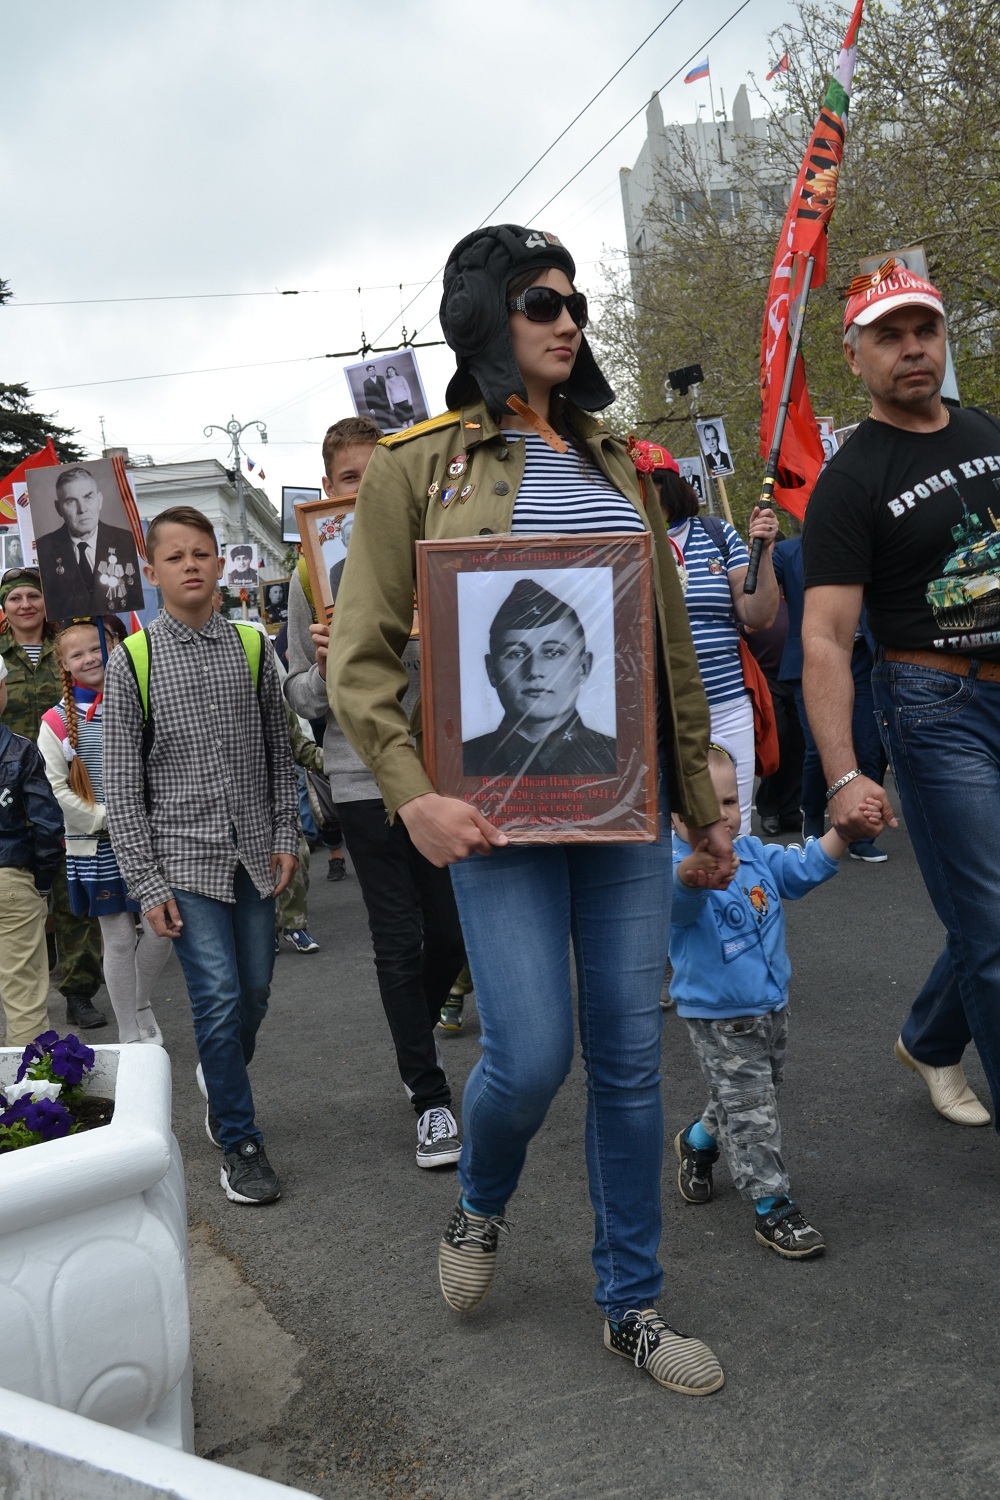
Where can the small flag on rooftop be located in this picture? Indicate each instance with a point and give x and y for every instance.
(700, 70)
(780, 67)
(250, 464)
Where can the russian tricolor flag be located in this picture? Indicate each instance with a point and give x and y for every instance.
(700, 70)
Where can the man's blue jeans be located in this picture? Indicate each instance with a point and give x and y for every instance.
(867, 745)
(942, 735)
(521, 909)
(226, 951)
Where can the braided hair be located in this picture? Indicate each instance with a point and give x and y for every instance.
(79, 776)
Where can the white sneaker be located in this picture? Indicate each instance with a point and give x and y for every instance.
(149, 1031)
(199, 1079)
(438, 1144)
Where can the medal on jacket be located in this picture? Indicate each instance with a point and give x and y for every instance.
(458, 466)
(464, 493)
(432, 490)
(448, 495)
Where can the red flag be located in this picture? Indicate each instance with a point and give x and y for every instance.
(803, 234)
(780, 67)
(43, 459)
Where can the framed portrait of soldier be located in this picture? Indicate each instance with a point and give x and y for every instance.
(537, 674)
(715, 447)
(274, 603)
(83, 518)
(291, 496)
(325, 533)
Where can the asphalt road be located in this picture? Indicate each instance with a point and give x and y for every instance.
(872, 1372)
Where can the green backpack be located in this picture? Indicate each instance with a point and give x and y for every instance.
(139, 650)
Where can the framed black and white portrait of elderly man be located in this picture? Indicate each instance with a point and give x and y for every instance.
(693, 471)
(88, 558)
(537, 662)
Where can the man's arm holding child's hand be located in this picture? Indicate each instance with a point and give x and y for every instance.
(871, 810)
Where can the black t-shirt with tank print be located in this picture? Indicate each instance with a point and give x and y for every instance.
(915, 517)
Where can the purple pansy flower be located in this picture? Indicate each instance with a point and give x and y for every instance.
(71, 1059)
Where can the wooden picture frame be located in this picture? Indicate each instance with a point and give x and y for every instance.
(321, 534)
(273, 609)
(538, 681)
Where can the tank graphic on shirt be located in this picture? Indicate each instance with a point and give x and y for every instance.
(967, 595)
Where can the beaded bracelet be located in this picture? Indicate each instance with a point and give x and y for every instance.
(832, 791)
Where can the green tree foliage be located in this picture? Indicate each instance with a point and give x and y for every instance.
(922, 165)
(24, 430)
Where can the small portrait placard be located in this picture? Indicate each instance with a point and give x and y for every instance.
(325, 532)
(291, 496)
(715, 447)
(242, 569)
(274, 603)
(388, 389)
(693, 470)
(537, 665)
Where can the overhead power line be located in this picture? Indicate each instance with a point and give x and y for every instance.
(525, 175)
(698, 53)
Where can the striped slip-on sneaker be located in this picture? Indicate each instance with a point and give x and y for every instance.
(680, 1363)
(467, 1257)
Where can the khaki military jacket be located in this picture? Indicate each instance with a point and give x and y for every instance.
(399, 504)
(31, 690)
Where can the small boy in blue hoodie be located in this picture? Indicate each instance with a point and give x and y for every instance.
(730, 982)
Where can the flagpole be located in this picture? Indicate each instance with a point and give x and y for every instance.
(711, 92)
(766, 501)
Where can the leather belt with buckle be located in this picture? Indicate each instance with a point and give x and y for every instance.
(940, 661)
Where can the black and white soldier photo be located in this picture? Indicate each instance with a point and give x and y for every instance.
(715, 447)
(242, 566)
(274, 600)
(538, 663)
(87, 556)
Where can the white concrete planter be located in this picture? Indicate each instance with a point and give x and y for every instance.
(93, 1259)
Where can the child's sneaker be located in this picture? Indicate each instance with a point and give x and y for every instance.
(784, 1230)
(694, 1175)
(451, 1014)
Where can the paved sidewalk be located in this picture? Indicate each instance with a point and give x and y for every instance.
(869, 1373)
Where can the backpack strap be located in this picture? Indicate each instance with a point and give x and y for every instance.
(302, 570)
(253, 649)
(715, 528)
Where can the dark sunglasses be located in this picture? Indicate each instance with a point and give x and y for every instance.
(543, 304)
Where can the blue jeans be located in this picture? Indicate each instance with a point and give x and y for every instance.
(521, 908)
(942, 735)
(867, 745)
(226, 951)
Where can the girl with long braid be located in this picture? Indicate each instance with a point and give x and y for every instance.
(70, 741)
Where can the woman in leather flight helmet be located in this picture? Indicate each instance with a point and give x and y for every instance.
(525, 381)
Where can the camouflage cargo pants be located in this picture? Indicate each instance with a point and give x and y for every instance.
(743, 1060)
(290, 908)
(78, 944)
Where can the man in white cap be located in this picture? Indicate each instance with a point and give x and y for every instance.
(906, 517)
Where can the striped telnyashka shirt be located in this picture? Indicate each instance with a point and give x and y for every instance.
(563, 492)
(709, 603)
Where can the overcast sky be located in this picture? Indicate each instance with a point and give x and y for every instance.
(238, 146)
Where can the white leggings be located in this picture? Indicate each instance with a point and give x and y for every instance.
(131, 969)
(732, 723)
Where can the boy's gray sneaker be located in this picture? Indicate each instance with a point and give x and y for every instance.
(785, 1230)
(673, 1359)
(438, 1144)
(248, 1176)
(694, 1175)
